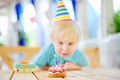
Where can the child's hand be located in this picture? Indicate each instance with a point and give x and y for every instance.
(52, 69)
(68, 66)
(71, 66)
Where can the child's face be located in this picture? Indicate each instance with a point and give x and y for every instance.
(65, 47)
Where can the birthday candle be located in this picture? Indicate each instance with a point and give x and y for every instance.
(56, 61)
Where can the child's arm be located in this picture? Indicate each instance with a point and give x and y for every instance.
(41, 68)
(67, 66)
(45, 67)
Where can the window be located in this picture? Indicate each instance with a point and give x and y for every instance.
(3, 29)
(29, 18)
(116, 5)
(93, 13)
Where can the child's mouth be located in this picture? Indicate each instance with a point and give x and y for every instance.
(64, 54)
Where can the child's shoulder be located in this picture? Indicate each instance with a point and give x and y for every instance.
(78, 52)
(49, 46)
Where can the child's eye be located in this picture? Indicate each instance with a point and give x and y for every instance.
(60, 43)
(70, 44)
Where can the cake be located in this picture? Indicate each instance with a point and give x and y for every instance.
(56, 72)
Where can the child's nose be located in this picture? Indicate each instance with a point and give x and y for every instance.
(65, 47)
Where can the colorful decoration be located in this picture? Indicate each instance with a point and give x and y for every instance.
(61, 12)
(24, 67)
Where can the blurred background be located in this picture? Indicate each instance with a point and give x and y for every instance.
(27, 23)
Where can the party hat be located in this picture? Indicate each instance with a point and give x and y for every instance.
(61, 12)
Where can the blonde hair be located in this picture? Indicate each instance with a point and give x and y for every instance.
(65, 30)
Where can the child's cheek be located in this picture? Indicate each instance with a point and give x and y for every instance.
(58, 50)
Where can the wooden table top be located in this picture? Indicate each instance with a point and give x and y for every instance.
(91, 74)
